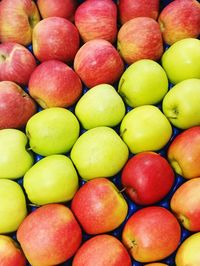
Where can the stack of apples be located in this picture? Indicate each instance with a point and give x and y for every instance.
(99, 132)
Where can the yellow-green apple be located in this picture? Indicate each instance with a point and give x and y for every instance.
(129, 9)
(50, 235)
(97, 62)
(10, 253)
(140, 38)
(102, 250)
(53, 83)
(55, 38)
(184, 153)
(189, 212)
(143, 82)
(52, 131)
(15, 159)
(57, 8)
(145, 128)
(97, 20)
(188, 252)
(16, 106)
(16, 63)
(51, 180)
(147, 177)
(100, 106)
(17, 20)
(151, 234)
(12, 206)
(156, 264)
(181, 104)
(99, 206)
(99, 152)
(187, 63)
(180, 19)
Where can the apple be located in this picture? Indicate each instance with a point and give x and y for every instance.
(16, 107)
(143, 82)
(99, 152)
(156, 264)
(10, 253)
(97, 62)
(145, 128)
(12, 206)
(147, 178)
(129, 9)
(15, 159)
(50, 235)
(184, 153)
(51, 180)
(140, 38)
(180, 19)
(151, 234)
(54, 84)
(16, 63)
(187, 63)
(181, 104)
(99, 206)
(55, 38)
(102, 250)
(97, 20)
(100, 106)
(17, 20)
(52, 131)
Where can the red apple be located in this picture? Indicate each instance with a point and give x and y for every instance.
(104, 250)
(16, 107)
(16, 63)
(54, 84)
(97, 20)
(50, 235)
(17, 20)
(147, 177)
(97, 62)
(180, 19)
(55, 38)
(184, 153)
(151, 234)
(99, 206)
(129, 9)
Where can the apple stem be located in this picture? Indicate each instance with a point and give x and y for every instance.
(123, 189)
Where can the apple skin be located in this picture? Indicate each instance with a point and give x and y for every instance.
(97, 62)
(10, 253)
(147, 178)
(16, 106)
(151, 234)
(97, 20)
(17, 20)
(102, 250)
(129, 9)
(99, 206)
(180, 19)
(140, 38)
(55, 38)
(50, 235)
(54, 84)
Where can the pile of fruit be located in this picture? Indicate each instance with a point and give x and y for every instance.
(99, 133)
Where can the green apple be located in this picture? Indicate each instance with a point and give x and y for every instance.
(99, 152)
(52, 131)
(15, 160)
(182, 60)
(51, 180)
(12, 206)
(143, 82)
(145, 128)
(181, 105)
(100, 106)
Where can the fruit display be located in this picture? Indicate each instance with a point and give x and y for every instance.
(99, 132)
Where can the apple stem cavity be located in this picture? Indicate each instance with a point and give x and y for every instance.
(183, 220)
(2, 58)
(176, 167)
(31, 21)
